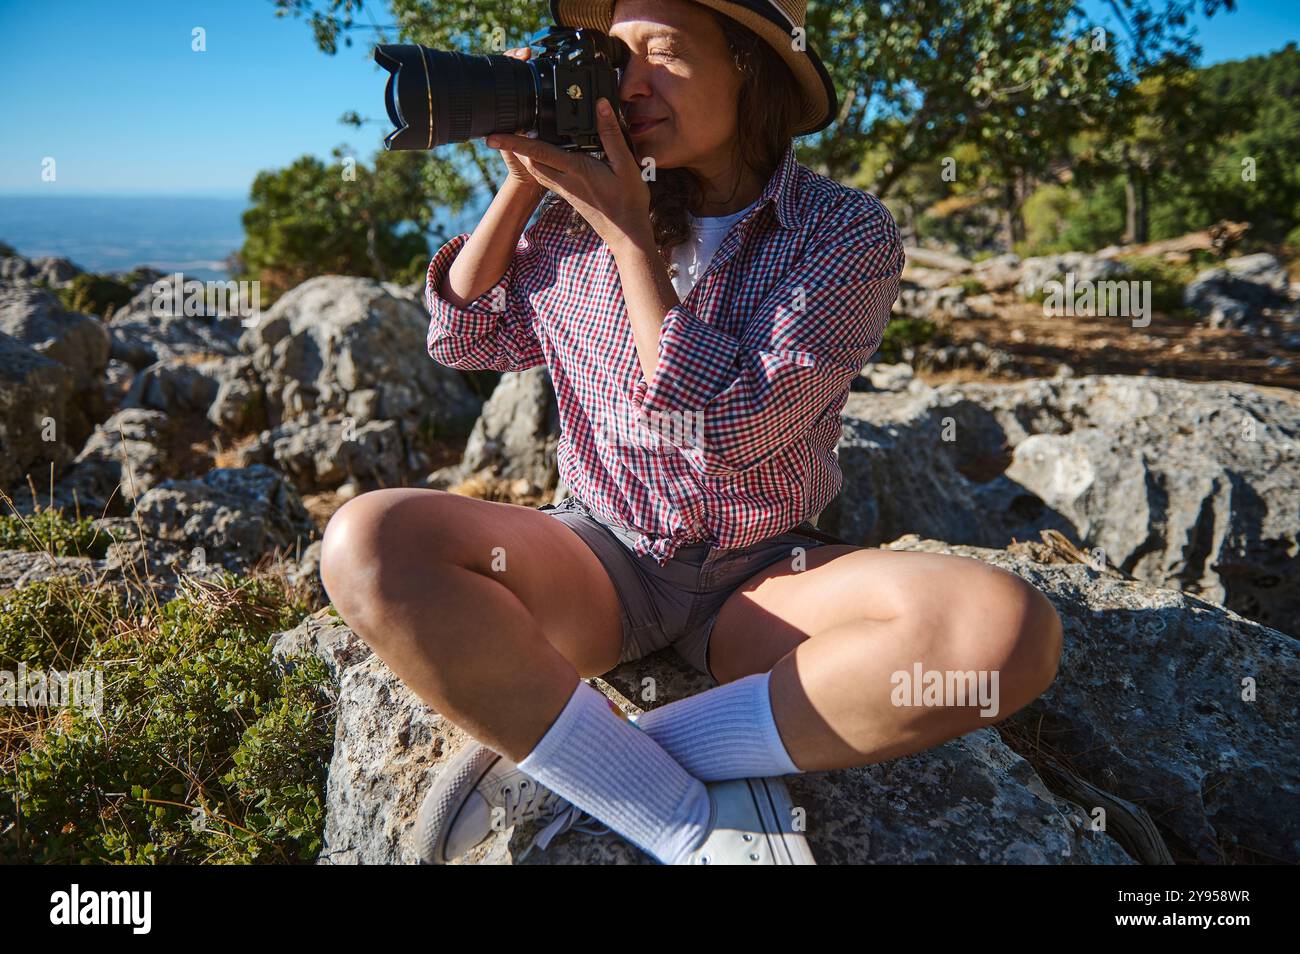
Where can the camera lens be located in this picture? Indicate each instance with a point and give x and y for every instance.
(435, 97)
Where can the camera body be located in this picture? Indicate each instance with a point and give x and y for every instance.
(435, 97)
(576, 68)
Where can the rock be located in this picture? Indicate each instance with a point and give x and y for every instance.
(125, 457)
(20, 567)
(35, 395)
(974, 354)
(148, 329)
(236, 515)
(516, 435)
(1246, 292)
(118, 376)
(47, 270)
(1262, 269)
(1230, 784)
(320, 454)
(1037, 272)
(939, 261)
(240, 403)
(880, 376)
(348, 346)
(1217, 773)
(36, 317)
(999, 274)
(323, 634)
(1188, 485)
(948, 301)
(970, 800)
(177, 386)
(1171, 702)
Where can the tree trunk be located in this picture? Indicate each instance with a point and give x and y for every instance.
(1143, 212)
(1015, 228)
(1130, 209)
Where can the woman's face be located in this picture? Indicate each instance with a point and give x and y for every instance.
(680, 87)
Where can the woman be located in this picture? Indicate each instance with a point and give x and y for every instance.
(702, 303)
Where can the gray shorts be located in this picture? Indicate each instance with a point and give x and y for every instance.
(675, 605)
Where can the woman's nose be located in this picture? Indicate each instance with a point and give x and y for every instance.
(635, 80)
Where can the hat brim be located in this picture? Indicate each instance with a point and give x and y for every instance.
(821, 104)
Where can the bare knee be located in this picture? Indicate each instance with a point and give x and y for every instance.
(1024, 634)
(369, 550)
(993, 620)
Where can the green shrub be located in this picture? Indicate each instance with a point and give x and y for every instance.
(902, 333)
(51, 531)
(95, 294)
(1168, 282)
(206, 749)
(54, 623)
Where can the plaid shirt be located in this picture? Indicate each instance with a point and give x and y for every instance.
(734, 439)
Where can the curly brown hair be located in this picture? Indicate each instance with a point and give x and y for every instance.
(768, 110)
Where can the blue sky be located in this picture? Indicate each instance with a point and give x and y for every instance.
(113, 92)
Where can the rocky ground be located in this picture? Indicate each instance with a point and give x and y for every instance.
(1148, 480)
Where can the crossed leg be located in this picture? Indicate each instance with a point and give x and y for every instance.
(489, 612)
(835, 630)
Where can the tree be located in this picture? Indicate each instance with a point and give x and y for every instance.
(342, 218)
(917, 78)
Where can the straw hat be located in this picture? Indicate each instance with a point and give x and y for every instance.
(773, 20)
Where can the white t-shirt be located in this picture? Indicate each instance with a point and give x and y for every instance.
(692, 256)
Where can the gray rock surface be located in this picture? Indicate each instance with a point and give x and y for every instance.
(1249, 292)
(1190, 485)
(125, 457)
(350, 347)
(236, 515)
(35, 395)
(1217, 773)
(319, 454)
(47, 270)
(141, 338)
(1152, 703)
(1036, 272)
(515, 437)
(36, 317)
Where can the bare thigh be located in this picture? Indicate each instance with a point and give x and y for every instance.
(779, 607)
(539, 560)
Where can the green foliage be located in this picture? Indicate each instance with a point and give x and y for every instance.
(95, 294)
(206, 749)
(50, 530)
(314, 218)
(1063, 219)
(1168, 281)
(903, 332)
(54, 622)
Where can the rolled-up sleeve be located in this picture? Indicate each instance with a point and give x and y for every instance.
(494, 332)
(730, 403)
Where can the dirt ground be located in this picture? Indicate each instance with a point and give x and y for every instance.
(1169, 347)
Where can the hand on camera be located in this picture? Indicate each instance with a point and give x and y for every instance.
(518, 173)
(609, 194)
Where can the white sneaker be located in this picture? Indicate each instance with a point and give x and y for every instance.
(481, 791)
(752, 823)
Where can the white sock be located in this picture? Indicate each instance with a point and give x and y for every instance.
(593, 756)
(725, 732)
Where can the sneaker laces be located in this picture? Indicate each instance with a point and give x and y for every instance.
(567, 817)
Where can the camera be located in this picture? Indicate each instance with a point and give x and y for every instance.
(435, 97)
